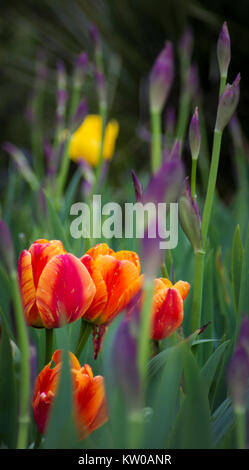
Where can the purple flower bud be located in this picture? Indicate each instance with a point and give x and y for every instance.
(124, 359)
(186, 44)
(94, 33)
(80, 113)
(195, 135)
(235, 130)
(238, 369)
(190, 219)
(224, 50)
(170, 121)
(101, 86)
(22, 164)
(6, 247)
(80, 69)
(137, 186)
(227, 104)
(176, 150)
(161, 78)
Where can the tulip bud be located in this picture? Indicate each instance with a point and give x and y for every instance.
(238, 370)
(190, 218)
(137, 186)
(195, 135)
(161, 78)
(227, 104)
(224, 50)
(6, 247)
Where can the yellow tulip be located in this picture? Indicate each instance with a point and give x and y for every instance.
(86, 140)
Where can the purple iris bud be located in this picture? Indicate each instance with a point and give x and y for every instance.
(80, 113)
(6, 247)
(137, 186)
(227, 104)
(195, 135)
(100, 84)
(224, 50)
(170, 121)
(94, 33)
(190, 218)
(238, 369)
(186, 44)
(124, 359)
(176, 150)
(82, 62)
(161, 78)
(165, 185)
(61, 75)
(235, 129)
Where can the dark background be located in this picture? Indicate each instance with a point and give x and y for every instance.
(133, 33)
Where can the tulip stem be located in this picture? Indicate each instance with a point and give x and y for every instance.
(199, 257)
(156, 149)
(193, 178)
(85, 331)
(49, 345)
(23, 341)
(240, 423)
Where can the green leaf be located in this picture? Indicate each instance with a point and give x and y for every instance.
(56, 228)
(70, 193)
(61, 432)
(204, 351)
(192, 427)
(244, 284)
(222, 421)
(237, 262)
(166, 399)
(209, 369)
(8, 395)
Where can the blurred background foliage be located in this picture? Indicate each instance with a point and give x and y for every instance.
(133, 33)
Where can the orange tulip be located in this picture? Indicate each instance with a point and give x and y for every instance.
(89, 400)
(167, 307)
(55, 287)
(117, 279)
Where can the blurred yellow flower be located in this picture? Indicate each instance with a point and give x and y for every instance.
(86, 140)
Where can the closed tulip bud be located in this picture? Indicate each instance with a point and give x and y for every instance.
(6, 247)
(161, 78)
(227, 104)
(224, 50)
(195, 135)
(190, 218)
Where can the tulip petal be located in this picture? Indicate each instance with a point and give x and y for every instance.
(27, 290)
(65, 291)
(100, 249)
(183, 288)
(129, 256)
(41, 252)
(167, 313)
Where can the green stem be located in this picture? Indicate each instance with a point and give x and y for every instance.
(193, 178)
(156, 149)
(198, 287)
(183, 116)
(49, 345)
(223, 80)
(103, 115)
(144, 336)
(211, 184)
(23, 341)
(65, 163)
(240, 423)
(84, 334)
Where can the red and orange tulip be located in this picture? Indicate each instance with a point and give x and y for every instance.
(55, 286)
(89, 399)
(167, 307)
(117, 279)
